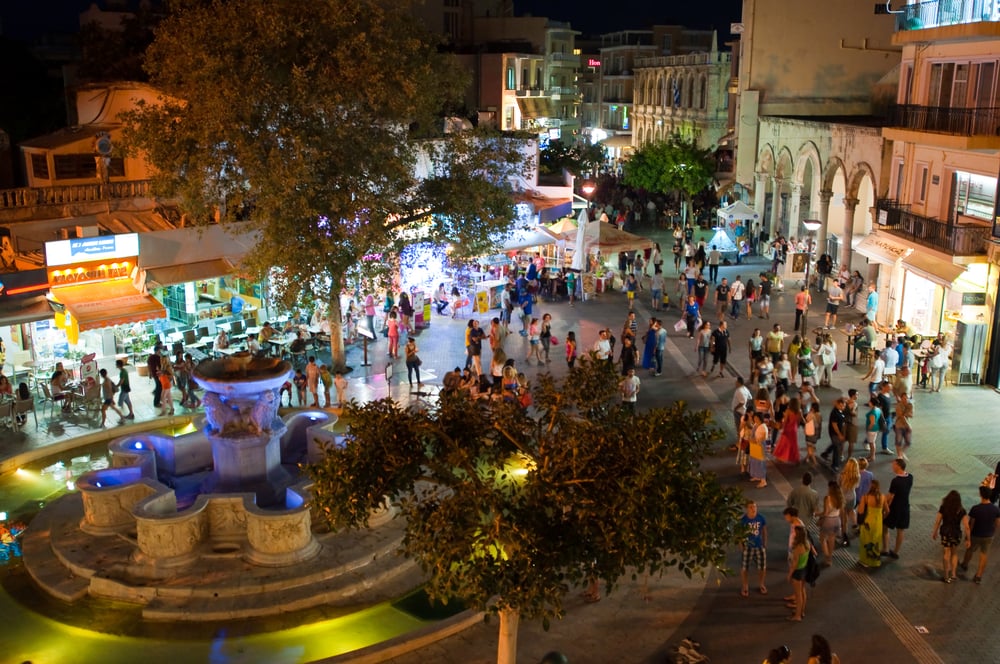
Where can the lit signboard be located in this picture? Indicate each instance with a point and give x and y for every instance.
(593, 62)
(88, 249)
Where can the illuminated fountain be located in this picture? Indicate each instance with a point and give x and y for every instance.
(215, 523)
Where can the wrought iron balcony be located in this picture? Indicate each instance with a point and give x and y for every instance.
(939, 13)
(950, 238)
(982, 121)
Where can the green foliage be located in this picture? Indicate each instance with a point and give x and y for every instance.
(508, 509)
(577, 158)
(677, 164)
(301, 120)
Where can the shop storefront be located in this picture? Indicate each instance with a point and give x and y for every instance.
(99, 303)
(934, 295)
(23, 303)
(194, 273)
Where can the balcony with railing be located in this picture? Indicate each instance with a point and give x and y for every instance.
(943, 13)
(981, 121)
(685, 60)
(950, 238)
(29, 197)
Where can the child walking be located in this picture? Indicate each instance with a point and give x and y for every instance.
(340, 383)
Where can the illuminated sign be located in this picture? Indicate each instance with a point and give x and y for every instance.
(100, 248)
(89, 272)
(593, 62)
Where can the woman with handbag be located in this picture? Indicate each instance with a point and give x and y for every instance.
(413, 362)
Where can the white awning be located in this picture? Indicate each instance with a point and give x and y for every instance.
(881, 249)
(933, 269)
(157, 277)
(618, 141)
(525, 238)
(15, 311)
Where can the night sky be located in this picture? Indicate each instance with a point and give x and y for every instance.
(599, 16)
(25, 18)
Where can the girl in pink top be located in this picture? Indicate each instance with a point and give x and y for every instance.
(393, 326)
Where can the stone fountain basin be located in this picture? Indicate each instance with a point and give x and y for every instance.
(242, 375)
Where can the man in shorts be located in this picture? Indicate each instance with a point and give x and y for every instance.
(834, 296)
(983, 521)
(722, 298)
(754, 548)
(764, 295)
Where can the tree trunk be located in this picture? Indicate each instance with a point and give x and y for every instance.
(338, 357)
(507, 646)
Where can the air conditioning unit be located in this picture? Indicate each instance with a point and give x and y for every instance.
(88, 231)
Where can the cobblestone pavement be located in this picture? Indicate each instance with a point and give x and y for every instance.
(899, 613)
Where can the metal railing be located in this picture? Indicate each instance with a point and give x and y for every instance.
(981, 121)
(26, 197)
(682, 60)
(951, 238)
(939, 13)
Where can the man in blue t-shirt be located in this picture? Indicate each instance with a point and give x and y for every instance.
(754, 547)
(525, 301)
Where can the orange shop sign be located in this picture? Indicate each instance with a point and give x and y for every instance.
(89, 272)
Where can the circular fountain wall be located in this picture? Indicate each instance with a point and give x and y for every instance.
(214, 523)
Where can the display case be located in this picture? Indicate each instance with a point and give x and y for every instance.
(969, 353)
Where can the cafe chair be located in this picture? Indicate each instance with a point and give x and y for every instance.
(92, 401)
(7, 414)
(21, 409)
(47, 400)
(462, 307)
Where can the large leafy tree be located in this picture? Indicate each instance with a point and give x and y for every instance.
(577, 158)
(508, 508)
(314, 124)
(674, 165)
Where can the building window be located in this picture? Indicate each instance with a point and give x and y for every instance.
(451, 25)
(907, 79)
(974, 195)
(899, 179)
(84, 167)
(960, 86)
(39, 166)
(987, 93)
(922, 189)
(511, 79)
(668, 44)
(942, 75)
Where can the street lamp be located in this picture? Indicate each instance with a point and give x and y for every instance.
(812, 225)
(588, 188)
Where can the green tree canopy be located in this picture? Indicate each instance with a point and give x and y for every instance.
(508, 508)
(315, 124)
(677, 164)
(576, 158)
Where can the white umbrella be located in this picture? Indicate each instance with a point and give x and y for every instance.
(578, 250)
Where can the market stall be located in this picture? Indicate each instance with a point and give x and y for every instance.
(737, 219)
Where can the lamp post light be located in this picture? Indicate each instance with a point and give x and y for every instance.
(812, 225)
(587, 189)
